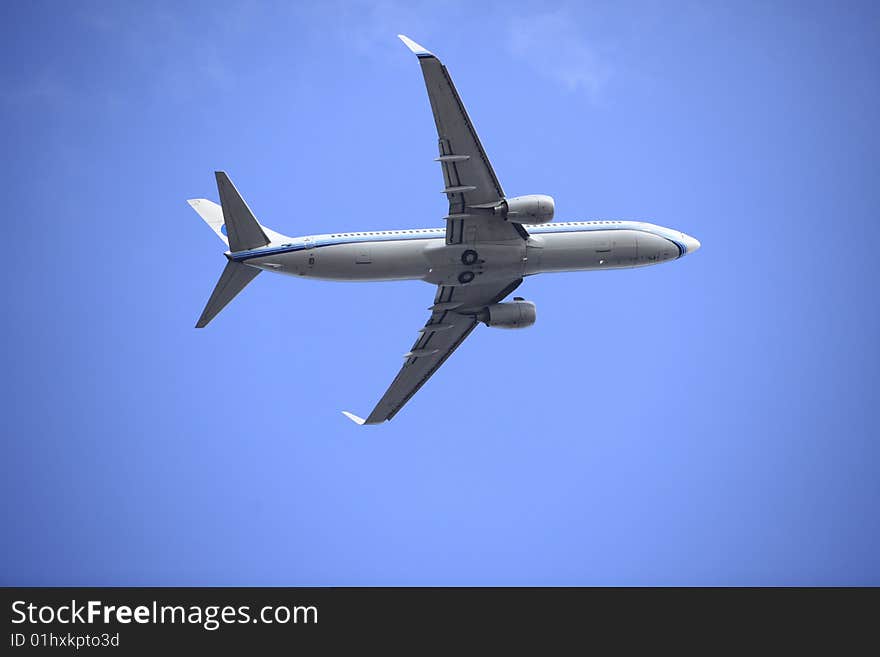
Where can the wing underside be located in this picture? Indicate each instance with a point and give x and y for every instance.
(473, 192)
(452, 320)
(470, 183)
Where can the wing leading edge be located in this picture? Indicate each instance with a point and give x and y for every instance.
(452, 320)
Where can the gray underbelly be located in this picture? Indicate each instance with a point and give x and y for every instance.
(364, 261)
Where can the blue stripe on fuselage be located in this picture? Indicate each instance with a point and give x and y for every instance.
(425, 234)
(334, 241)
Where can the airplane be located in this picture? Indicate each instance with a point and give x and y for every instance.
(490, 243)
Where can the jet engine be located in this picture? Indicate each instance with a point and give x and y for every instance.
(530, 209)
(518, 313)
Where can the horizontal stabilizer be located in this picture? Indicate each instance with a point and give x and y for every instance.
(242, 228)
(232, 281)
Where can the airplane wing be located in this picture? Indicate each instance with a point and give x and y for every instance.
(473, 192)
(452, 320)
(470, 184)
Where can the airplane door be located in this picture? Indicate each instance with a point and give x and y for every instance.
(363, 255)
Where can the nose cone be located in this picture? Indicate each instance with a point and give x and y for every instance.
(690, 243)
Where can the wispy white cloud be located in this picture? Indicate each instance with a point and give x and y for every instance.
(370, 27)
(175, 59)
(554, 45)
(170, 60)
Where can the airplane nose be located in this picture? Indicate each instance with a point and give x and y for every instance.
(690, 243)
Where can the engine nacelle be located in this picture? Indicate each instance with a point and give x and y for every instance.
(530, 209)
(518, 313)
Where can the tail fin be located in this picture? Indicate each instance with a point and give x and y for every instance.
(236, 225)
(212, 214)
(232, 281)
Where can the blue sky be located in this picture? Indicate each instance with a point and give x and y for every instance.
(708, 421)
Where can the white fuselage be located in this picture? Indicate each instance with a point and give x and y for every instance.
(422, 253)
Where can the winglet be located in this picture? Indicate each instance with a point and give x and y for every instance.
(354, 418)
(419, 51)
